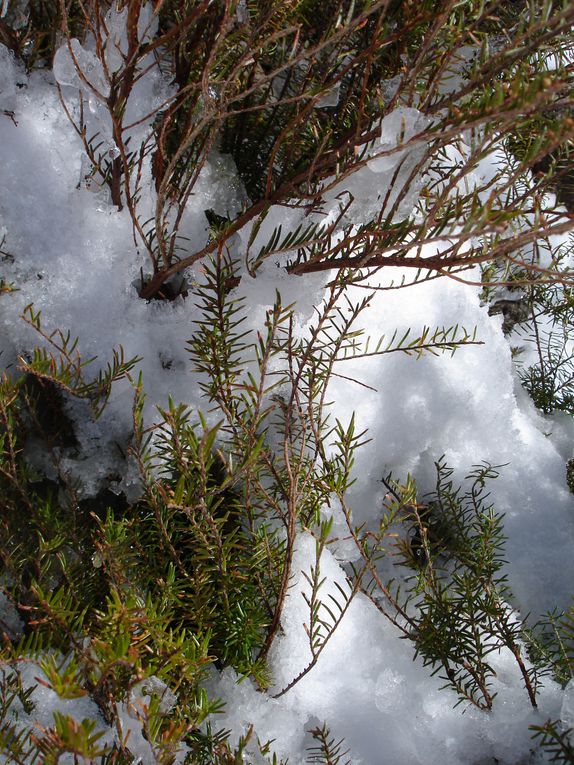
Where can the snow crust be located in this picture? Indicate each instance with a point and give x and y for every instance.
(72, 255)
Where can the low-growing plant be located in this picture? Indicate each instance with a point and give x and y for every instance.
(455, 605)
(197, 570)
(132, 606)
(300, 105)
(555, 741)
(548, 329)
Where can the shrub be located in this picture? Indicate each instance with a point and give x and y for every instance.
(129, 606)
(302, 107)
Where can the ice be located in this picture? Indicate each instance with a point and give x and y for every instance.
(242, 12)
(131, 733)
(142, 692)
(460, 61)
(397, 128)
(388, 182)
(330, 99)
(69, 58)
(116, 43)
(272, 720)
(116, 47)
(390, 87)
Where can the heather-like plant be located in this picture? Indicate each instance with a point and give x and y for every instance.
(303, 100)
(131, 606)
(197, 571)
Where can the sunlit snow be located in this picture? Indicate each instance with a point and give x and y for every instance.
(72, 255)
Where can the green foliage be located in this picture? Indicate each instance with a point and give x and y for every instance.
(194, 551)
(549, 329)
(93, 629)
(327, 750)
(67, 735)
(33, 32)
(15, 743)
(45, 547)
(555, 741)
(549, 383)
(455, 547)
(551, 645)
(542, 317)
(146, 598)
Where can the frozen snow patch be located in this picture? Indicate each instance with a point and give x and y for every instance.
(397, 128)
(77, 67)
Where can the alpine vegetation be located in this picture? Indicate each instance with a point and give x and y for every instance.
(286, 392)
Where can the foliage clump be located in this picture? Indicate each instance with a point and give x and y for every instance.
(132, 604)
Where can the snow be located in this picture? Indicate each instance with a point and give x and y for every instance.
(398, 127)
(7, 68)
(382, 703)
(66, 72)
(567, 711)
(46, 702)
(74, 258)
